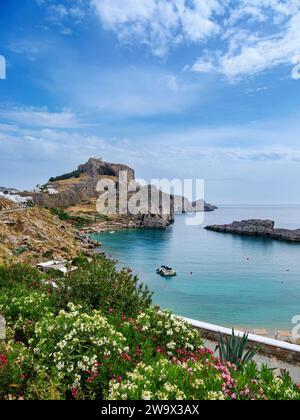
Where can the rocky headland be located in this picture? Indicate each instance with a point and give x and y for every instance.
(257, 228)
(77, 192)
(183, 205)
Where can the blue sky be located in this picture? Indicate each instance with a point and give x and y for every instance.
(175, 88)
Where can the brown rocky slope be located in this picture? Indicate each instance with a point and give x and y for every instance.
(35, 234)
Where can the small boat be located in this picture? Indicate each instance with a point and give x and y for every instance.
(166, 271)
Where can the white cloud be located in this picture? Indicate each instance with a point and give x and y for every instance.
(253, 35)
(159, 24)
(251, 52)
(59, 12)
(62, 14)
(245, 50)
(30, 48)
(40, 118)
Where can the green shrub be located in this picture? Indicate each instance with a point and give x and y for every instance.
(74, 174)
(12, 275)
(19, 251)
(98, 285)
(48, 255)
(44, 386)
(77, 221)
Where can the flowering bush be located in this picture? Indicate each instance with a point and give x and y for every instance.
(156, 331)
(81, 349)
(14, 370)
(201, 377)
(171, 332)
(22, 308)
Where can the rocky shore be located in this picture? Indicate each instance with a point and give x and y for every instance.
(258, 228)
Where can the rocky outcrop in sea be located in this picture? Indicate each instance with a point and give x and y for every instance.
(257, 228)
(183, 205)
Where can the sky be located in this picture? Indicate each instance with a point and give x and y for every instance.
(205, 89)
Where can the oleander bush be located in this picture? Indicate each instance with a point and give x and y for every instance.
(201, 377)
(155, 331)
(15, 368)
(94, 335)
(98, 285)
(80, 349)
(22, 308)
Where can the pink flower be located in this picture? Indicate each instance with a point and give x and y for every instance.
(126, 357)
(233, 396)
(3, 361)
(74, 392)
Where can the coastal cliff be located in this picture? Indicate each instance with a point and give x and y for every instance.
(258, 228)
(77, 193)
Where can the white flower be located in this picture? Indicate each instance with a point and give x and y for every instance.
(171, 345)
(146, 395)
(60, 365)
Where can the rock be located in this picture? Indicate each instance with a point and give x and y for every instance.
(202, 205)
(155, 222)
(36, 232)
(183, 205)
(258, 228)
(80, 190)
(6, 204)
(96, 167)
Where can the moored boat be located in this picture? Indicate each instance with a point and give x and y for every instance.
(166, 271)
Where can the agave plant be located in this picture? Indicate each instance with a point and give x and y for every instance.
(233, 349)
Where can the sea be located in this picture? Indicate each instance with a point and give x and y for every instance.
(223, 279)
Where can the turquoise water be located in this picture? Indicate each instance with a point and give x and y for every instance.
(236, 281)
